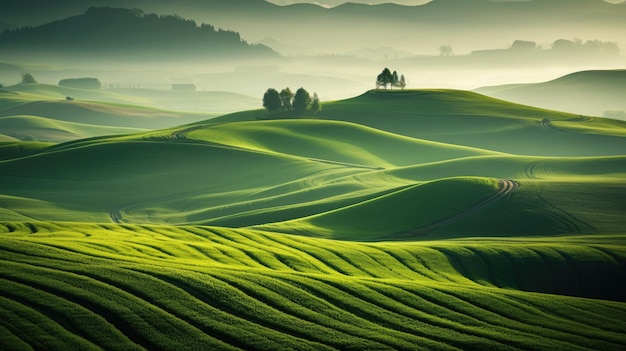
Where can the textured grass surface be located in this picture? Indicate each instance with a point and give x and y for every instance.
(109, 286)
(464, 223)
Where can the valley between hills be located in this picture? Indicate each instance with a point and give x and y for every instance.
(425, 219)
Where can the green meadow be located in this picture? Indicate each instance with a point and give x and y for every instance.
(412, 220)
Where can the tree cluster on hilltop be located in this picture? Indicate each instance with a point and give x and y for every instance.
(103, 29)
(388, 79)
(286, 101)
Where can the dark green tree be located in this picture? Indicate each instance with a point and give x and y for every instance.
(301, 101)
(394, 79)
(316, 105)
(271, 100)
(286, 96)
(28, 78)
(384, 79)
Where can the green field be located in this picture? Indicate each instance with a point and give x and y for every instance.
(418, 219)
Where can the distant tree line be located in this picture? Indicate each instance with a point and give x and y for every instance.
(388, 79)
(591, 46)
(571, 46)
(288, 102)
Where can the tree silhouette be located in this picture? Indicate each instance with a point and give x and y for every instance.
(316, 105)
(384, 79)
(445, 50)
(301, 101)
(28, 78)
(286, 96)
(402, 82)
(271, 100)
(394, 79)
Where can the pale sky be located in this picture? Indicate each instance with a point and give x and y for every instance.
(330, 3)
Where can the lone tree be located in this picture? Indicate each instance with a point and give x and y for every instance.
(402, 82)
(28, 78)
(301, 101)
(446, 50)
(286, 96)
(271, 100)
(316, 105)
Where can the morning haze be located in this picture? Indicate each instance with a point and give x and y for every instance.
(248, 175)
(334, 51)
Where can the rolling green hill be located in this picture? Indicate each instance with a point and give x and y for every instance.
(207, 102)
(32, 128)
(265, 172)
(470, 119)
(40, 112)
(424, 219)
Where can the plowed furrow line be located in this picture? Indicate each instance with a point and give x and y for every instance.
(74, 318)
(502, 331)
(270, 307)
(238, 316)
(535, 320)
(140, 321)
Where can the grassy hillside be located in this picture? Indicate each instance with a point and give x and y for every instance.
(44, 101)
(32, 128)
(23, 102)
(320, 177)
(91, 286)
(435, 220)
(18, 149)
(470, 119)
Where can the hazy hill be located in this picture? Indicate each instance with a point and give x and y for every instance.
(44, 108)
(128, 34)
(588, 92)
(469, 23)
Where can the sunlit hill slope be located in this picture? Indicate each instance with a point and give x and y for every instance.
(418, 219)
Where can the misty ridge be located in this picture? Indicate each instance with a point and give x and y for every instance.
(246, 46)
(466, 25)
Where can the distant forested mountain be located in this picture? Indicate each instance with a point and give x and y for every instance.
(111, 31)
